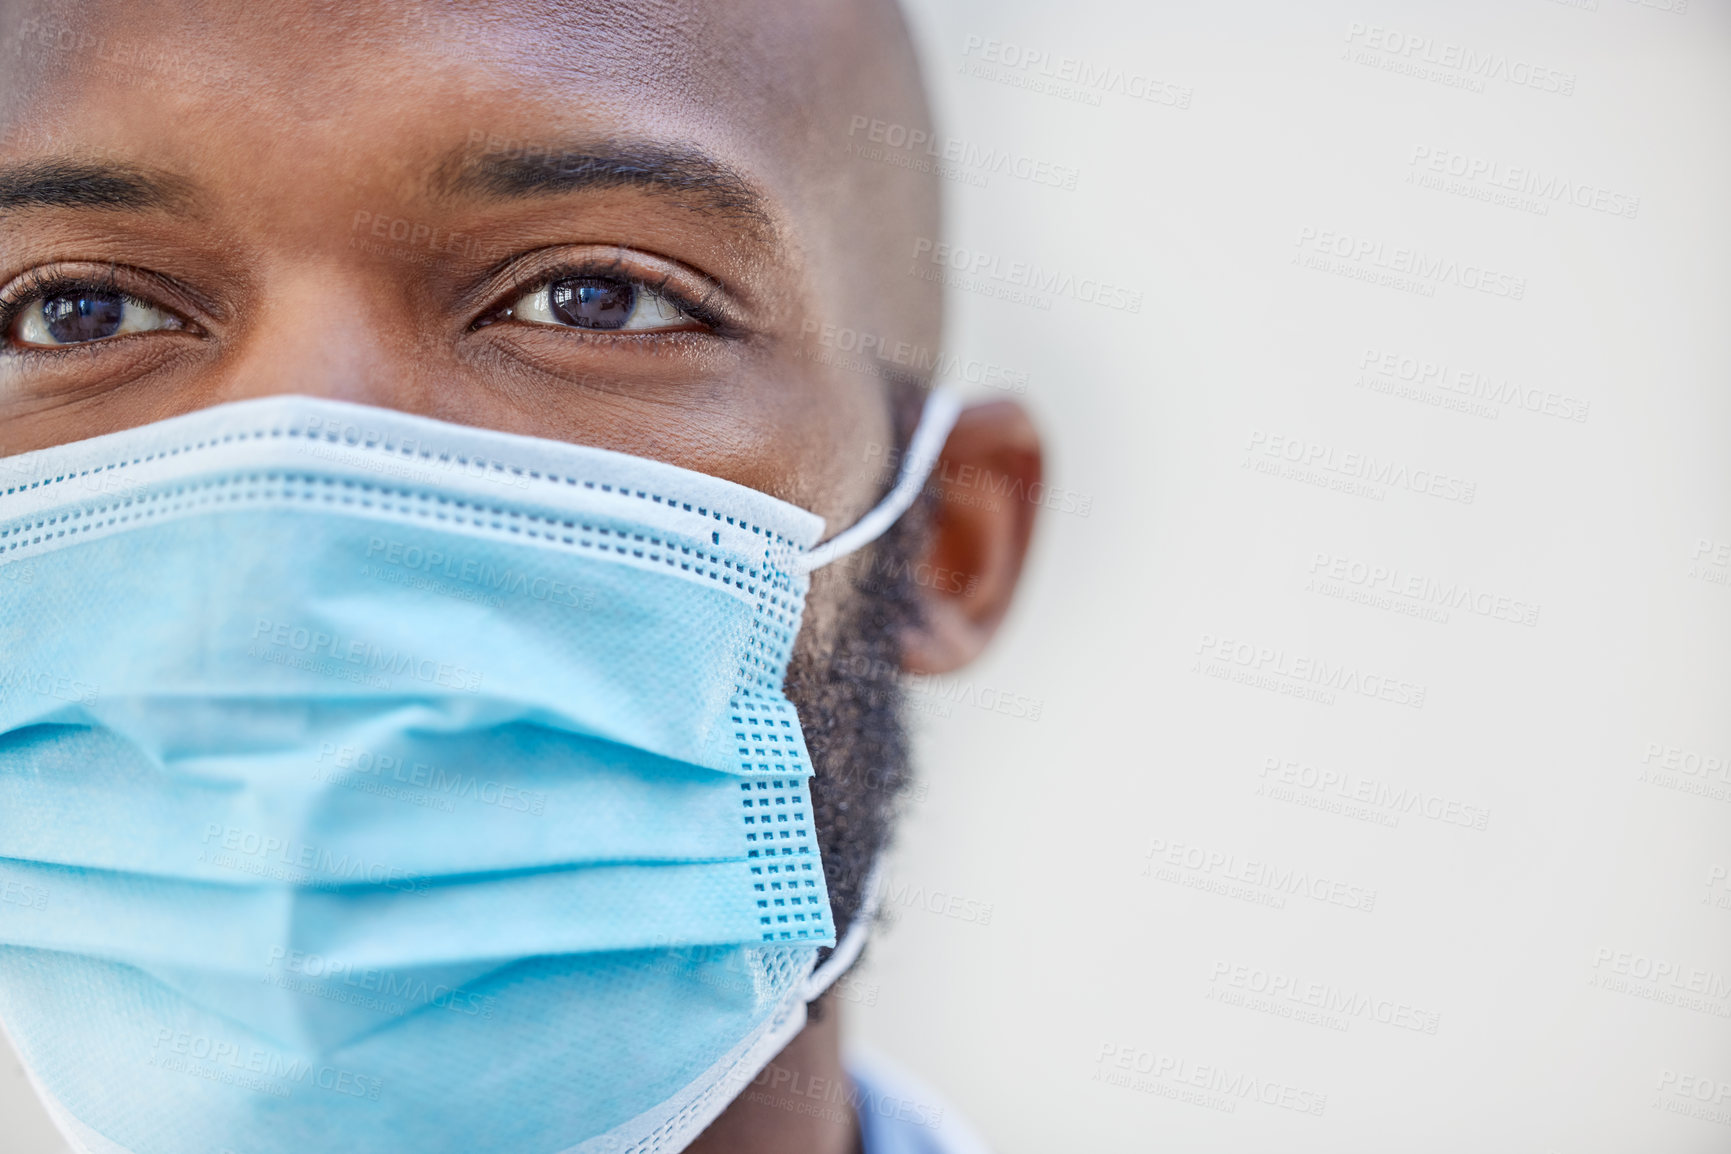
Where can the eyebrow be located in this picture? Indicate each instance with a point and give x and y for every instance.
(688, 177)
(85, 184)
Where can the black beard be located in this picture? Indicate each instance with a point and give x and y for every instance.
(850, 707)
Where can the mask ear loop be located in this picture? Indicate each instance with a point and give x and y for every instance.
(943, 406)
(847, 951)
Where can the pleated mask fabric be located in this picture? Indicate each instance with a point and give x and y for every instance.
(370, 782)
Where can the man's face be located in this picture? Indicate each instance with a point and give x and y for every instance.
(608, 225)
(620, 225)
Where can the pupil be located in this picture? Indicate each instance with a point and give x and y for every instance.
(86, 316)
(593, 302)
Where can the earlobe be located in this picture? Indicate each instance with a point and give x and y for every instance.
(989, 482)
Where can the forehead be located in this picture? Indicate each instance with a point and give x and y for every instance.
(384, 89)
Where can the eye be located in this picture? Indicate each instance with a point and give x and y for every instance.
(82, 314)
(608, 303)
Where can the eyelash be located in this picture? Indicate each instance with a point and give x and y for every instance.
(695, 309)
(35, 285)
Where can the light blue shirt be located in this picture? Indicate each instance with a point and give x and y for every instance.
(900, 1115)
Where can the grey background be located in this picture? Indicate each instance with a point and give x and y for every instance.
(1494, 932)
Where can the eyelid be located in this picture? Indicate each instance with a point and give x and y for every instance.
(701, 298)
(148, 288)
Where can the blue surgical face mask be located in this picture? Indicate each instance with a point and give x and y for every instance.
(373, 783)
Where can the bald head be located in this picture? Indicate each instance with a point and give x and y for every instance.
(365, 168)
(625, 225)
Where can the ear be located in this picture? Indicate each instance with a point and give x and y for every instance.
(989, 480)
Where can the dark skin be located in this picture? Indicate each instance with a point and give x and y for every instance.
(361, 202)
